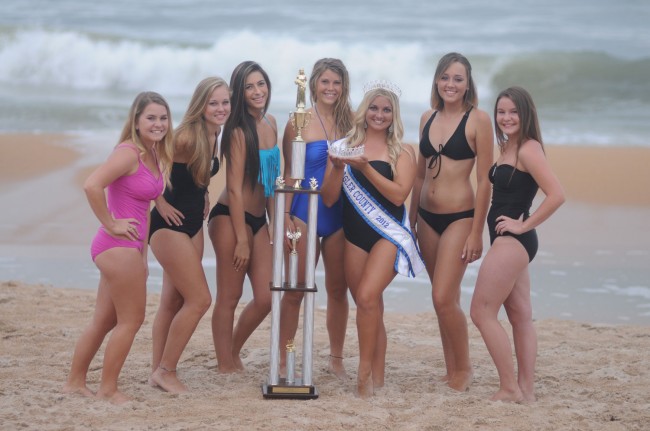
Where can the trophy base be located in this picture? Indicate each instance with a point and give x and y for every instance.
(296, 390)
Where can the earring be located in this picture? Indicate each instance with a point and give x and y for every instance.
(391, 128)
(365, 124)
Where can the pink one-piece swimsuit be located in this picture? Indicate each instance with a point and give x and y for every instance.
(129, 196)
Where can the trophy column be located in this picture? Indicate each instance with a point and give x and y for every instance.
(290, 386)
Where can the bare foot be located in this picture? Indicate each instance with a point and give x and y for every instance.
(529, 398)
(508, 396)
(461, 381)
(443, 379)
(116, 397)
(336, 367)
(238, 362)
(168, 381)
(230, 369)
(365, 388)
(77, 390)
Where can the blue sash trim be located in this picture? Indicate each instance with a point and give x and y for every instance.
(408, 261)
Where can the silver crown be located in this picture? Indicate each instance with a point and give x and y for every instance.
(384, 85)
(341, 150)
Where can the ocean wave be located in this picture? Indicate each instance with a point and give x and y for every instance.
(573, 90)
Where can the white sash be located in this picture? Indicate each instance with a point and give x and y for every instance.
(408, 261)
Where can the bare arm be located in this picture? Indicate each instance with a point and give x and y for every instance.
(533, 159)
(419, 177)
(235, 186)
(121, 162)
(484, 139)
(397, 190)
(332, 181)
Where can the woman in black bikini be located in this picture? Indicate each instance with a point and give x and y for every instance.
(503, 278)
(378, 241)
(454, 134)
(238, 223)
(176, 234)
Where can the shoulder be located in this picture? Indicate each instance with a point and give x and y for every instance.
(408, 153)
(182, 139)
(480, 116)
(127, 149)
(531, 151)
(426, 115)
(272, 120)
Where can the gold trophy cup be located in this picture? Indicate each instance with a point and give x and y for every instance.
(299, 120)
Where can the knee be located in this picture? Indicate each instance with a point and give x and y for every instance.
(292, 299)
(367, 302)
(519, 316)
(263, 304)
(201, 304)
(227, 302)
(443, 301)
(104, 327)
(475, 315)
(338, 292)
(478, 312)
(133, 322)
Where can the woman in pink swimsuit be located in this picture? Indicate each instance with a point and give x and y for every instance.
(132, 177)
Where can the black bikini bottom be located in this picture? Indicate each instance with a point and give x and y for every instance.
(255, 222)
(440, 222)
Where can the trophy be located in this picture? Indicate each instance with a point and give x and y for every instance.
(299, 120)
(293, 257)
(291, 363)
(294, 386)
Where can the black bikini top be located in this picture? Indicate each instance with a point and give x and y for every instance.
(456, 148)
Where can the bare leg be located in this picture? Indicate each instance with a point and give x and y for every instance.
(170, 302)
(379, 357)
(181, 258)
(448, 274)
(126, 280)
(337, 300)
(289, 316)
(291, 301)
(104, 319)
(229, 291)
(501, 267)
(259, 273)
(368, 285)
(520, 314)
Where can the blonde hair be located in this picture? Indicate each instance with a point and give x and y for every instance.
(357, 134)
(130, 132)
(342, 109)
(193, 131)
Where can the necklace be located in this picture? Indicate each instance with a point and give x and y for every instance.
(323, 126)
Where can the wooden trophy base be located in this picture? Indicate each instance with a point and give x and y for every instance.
(296, 390)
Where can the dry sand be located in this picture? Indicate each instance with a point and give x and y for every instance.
(589, 377)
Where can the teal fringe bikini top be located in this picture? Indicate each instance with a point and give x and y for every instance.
(269, 169)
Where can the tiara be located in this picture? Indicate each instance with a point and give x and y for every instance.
(341, 150)
(384, 85)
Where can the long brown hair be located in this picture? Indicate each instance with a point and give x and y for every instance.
(527, 112)
(470, 99)
(242, 119)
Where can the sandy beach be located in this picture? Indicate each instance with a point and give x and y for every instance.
(590, 375)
